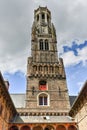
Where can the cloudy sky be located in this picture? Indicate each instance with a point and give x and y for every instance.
(70, 20)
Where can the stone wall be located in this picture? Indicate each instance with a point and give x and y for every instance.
(81, 118)
(7, 109)
(79, 108)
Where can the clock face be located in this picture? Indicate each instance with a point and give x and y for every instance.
(42, 85)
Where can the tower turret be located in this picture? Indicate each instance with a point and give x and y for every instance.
(44, 47)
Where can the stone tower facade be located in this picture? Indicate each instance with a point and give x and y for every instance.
(46, 81)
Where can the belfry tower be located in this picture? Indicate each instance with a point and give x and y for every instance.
(47, 91)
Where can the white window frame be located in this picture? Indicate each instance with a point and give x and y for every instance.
(48, 99)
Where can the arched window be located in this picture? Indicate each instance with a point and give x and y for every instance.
(25, 128)
(51, 69)
(49, 127)
(46, 128)
(46, 45)
(43, 16)
(37, 128)
(45, 69)
(41, 44)
(40, 68)
(72, 127)
(61, 127)
(13, 128)
(43, 99)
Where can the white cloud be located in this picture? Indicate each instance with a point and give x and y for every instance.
(14, 63)
(70, 59)
(83, 55)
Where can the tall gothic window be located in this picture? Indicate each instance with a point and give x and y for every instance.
(43, 99)
(41, 44)
(40, 68)
(45, 69)
(46, 45)
(43, 16)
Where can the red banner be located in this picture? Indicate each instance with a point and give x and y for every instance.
(42, 87)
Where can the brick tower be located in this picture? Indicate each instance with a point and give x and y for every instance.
(46, 81)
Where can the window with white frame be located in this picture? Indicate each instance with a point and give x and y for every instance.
(43, 99)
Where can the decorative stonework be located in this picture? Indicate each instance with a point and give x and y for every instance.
(44, 65)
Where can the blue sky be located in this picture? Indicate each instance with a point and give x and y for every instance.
(17, 82)
(70, 20)
(74, 47)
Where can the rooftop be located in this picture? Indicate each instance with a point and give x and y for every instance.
(43, 119)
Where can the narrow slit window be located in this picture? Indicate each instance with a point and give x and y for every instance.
(41, 44)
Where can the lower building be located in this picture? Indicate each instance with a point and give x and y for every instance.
(79, 109)
(7, 108)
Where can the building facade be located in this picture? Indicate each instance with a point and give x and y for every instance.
(79, 108)
(7, 108)
(46, 80)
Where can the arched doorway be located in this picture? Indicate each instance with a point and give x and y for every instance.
(25, 128)
(60, 127)
(13, 128)
(49, 127)
(37, 128)
(72, 127)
